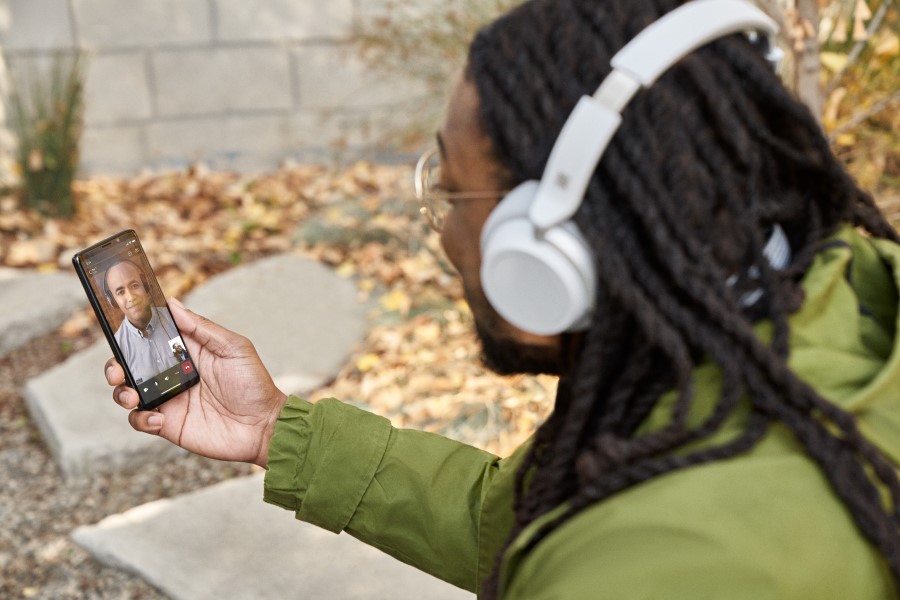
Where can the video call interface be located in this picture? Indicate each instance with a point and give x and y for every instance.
(135, 309)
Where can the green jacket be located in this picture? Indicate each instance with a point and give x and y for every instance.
(762, 525)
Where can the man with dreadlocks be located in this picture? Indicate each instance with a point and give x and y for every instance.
(728, 417)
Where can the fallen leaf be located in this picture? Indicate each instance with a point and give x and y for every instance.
(888, 45)
(833, 61)
(367, 362)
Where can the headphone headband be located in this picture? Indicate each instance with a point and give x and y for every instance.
(537, 270)
(663, 42)
(639, 63)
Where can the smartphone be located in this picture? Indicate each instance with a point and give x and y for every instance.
(138, 325)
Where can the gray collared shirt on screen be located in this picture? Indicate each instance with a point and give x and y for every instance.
(148, 356)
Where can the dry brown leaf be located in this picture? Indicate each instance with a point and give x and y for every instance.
(421, 372)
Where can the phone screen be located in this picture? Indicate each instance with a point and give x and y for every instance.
(132, 310)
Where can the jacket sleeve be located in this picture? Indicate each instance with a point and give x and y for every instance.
(414, 495)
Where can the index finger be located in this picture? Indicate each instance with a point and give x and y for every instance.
(115, 374)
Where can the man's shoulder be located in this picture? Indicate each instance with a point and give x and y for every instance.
(759, 522)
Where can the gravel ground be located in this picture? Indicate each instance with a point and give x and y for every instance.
(39, 509)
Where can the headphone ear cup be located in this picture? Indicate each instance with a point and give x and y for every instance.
(543, 285)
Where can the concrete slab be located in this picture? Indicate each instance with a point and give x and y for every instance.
(34, 304)
(224, 542)
(302, 318)
(83, 428)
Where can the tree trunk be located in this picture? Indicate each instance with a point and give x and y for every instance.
(807, 72)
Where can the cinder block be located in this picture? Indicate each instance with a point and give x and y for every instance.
(37, 25)
(111, 151)
(241, 143)
(333, 76)
(240, 20)
(219, 80)
(116, 24)
(116, 89)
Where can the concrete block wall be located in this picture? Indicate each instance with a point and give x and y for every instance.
(236, 84)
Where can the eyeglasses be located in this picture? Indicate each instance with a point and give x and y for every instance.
(436, 202)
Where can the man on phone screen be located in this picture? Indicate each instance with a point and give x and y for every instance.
(146, 330)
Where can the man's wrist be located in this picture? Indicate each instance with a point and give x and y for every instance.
(262, 458)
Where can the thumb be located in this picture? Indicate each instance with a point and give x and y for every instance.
(212, 336)
(185, 319)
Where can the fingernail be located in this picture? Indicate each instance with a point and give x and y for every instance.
(177, 303)
(106, 372)
(155, 421)
(120, 398)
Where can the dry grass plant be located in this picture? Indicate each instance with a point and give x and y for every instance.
(47, 112)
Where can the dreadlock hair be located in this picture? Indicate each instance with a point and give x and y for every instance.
(705, 162)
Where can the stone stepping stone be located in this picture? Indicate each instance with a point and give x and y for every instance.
(225, 542)
(33, 304)
(303, 319)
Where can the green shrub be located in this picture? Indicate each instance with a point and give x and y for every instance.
(47, 113)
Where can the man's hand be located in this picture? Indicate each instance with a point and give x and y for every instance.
(230, 414)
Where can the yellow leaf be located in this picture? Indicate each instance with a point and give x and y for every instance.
(833, 61)
(462, 306)
(367, 362)
(347, 269)
(889, 45)
(845, 139)
(428, 333)
(397, 300)
(367, 285)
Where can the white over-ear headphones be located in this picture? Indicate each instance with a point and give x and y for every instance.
(537, 270)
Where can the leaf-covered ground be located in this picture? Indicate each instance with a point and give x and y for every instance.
(419, 363)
